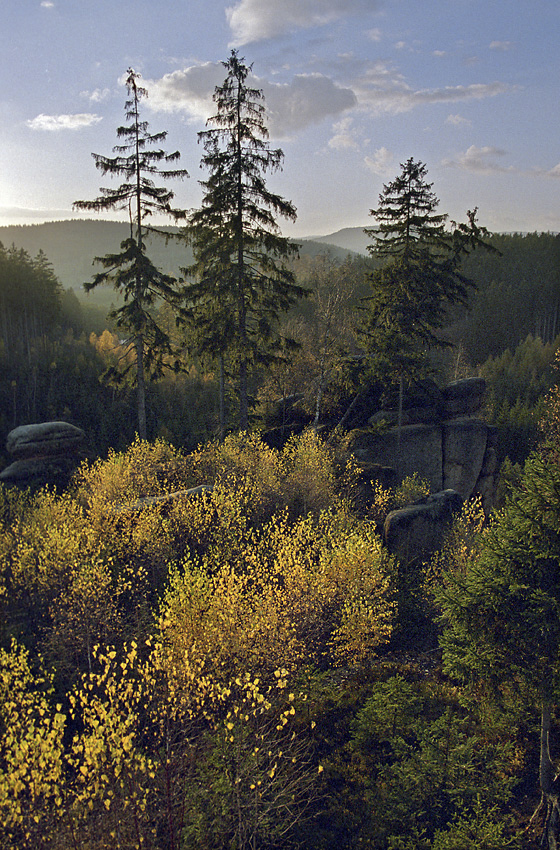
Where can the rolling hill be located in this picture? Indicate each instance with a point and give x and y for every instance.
(72, 245)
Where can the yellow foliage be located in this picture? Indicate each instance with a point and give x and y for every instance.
(387, 499)
(31, 752)
(461, 545)
(44, 543)
(287, 599)
(145, 469)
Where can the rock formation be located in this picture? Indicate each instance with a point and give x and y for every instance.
(414, 532)
(442, 441)
(43, 453)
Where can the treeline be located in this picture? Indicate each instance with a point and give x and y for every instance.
(55, 349)
(518, 294)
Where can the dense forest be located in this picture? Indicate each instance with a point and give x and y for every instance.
(56, 345)
(204, 639)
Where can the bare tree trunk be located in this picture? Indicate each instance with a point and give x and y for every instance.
(141, 388)
(222, 401)
(548, 780)
(347, 413)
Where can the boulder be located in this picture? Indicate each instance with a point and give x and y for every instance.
(414, 532)
(463, 398)
(410, 416)
(38, 470)
(464, 449)
(45, 439)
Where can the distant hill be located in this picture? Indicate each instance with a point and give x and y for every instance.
(71, 246)
(349, 238)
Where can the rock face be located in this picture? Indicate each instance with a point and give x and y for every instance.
(414, 532)
(444, 442)
(43, 453)
(463, 398)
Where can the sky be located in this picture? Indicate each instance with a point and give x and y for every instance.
(352, 88)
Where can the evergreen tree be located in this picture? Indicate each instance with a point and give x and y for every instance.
(131, 271)
(501, 611)
(242, 282)
(421, 278)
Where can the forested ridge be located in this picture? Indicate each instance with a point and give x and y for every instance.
(204, 640)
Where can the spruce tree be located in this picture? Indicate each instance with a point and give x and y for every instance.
(418, 280)
(419, 277)
(242, 282)
(130, 271)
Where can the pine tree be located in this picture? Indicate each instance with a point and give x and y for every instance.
(131, 272)
(242, 283)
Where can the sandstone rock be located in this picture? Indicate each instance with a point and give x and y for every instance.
(383, 417)
(488, 478)
(413, 533)
(38, 469)
(464, 448)
(418, 449)
(464, 397)
(410, 416)
(44, 440)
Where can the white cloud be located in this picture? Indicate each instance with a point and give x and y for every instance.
(381, 162)
(389, 93)
(501, 45)
(543, 172)
(439, 54)
(457, 120)
(306, 100)
(344, 137)
(97, 95)
(480, 160)
(47, 4)
(189, 90)
(54, 123)
(374, 34)
(254, 20)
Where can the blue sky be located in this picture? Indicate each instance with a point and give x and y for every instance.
(353, 88)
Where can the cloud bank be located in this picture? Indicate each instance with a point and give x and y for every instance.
(55, 123)
(290, 107)
(382, 93)
(254, 20)
(480, 160)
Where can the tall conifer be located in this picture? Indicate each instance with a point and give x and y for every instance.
(242, 283)
(131, 272)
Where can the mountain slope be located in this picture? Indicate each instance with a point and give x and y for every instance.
(350, 238)
(72, 245)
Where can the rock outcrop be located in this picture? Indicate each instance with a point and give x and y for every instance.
(442, 441)
(43, 453)
(414, 532)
